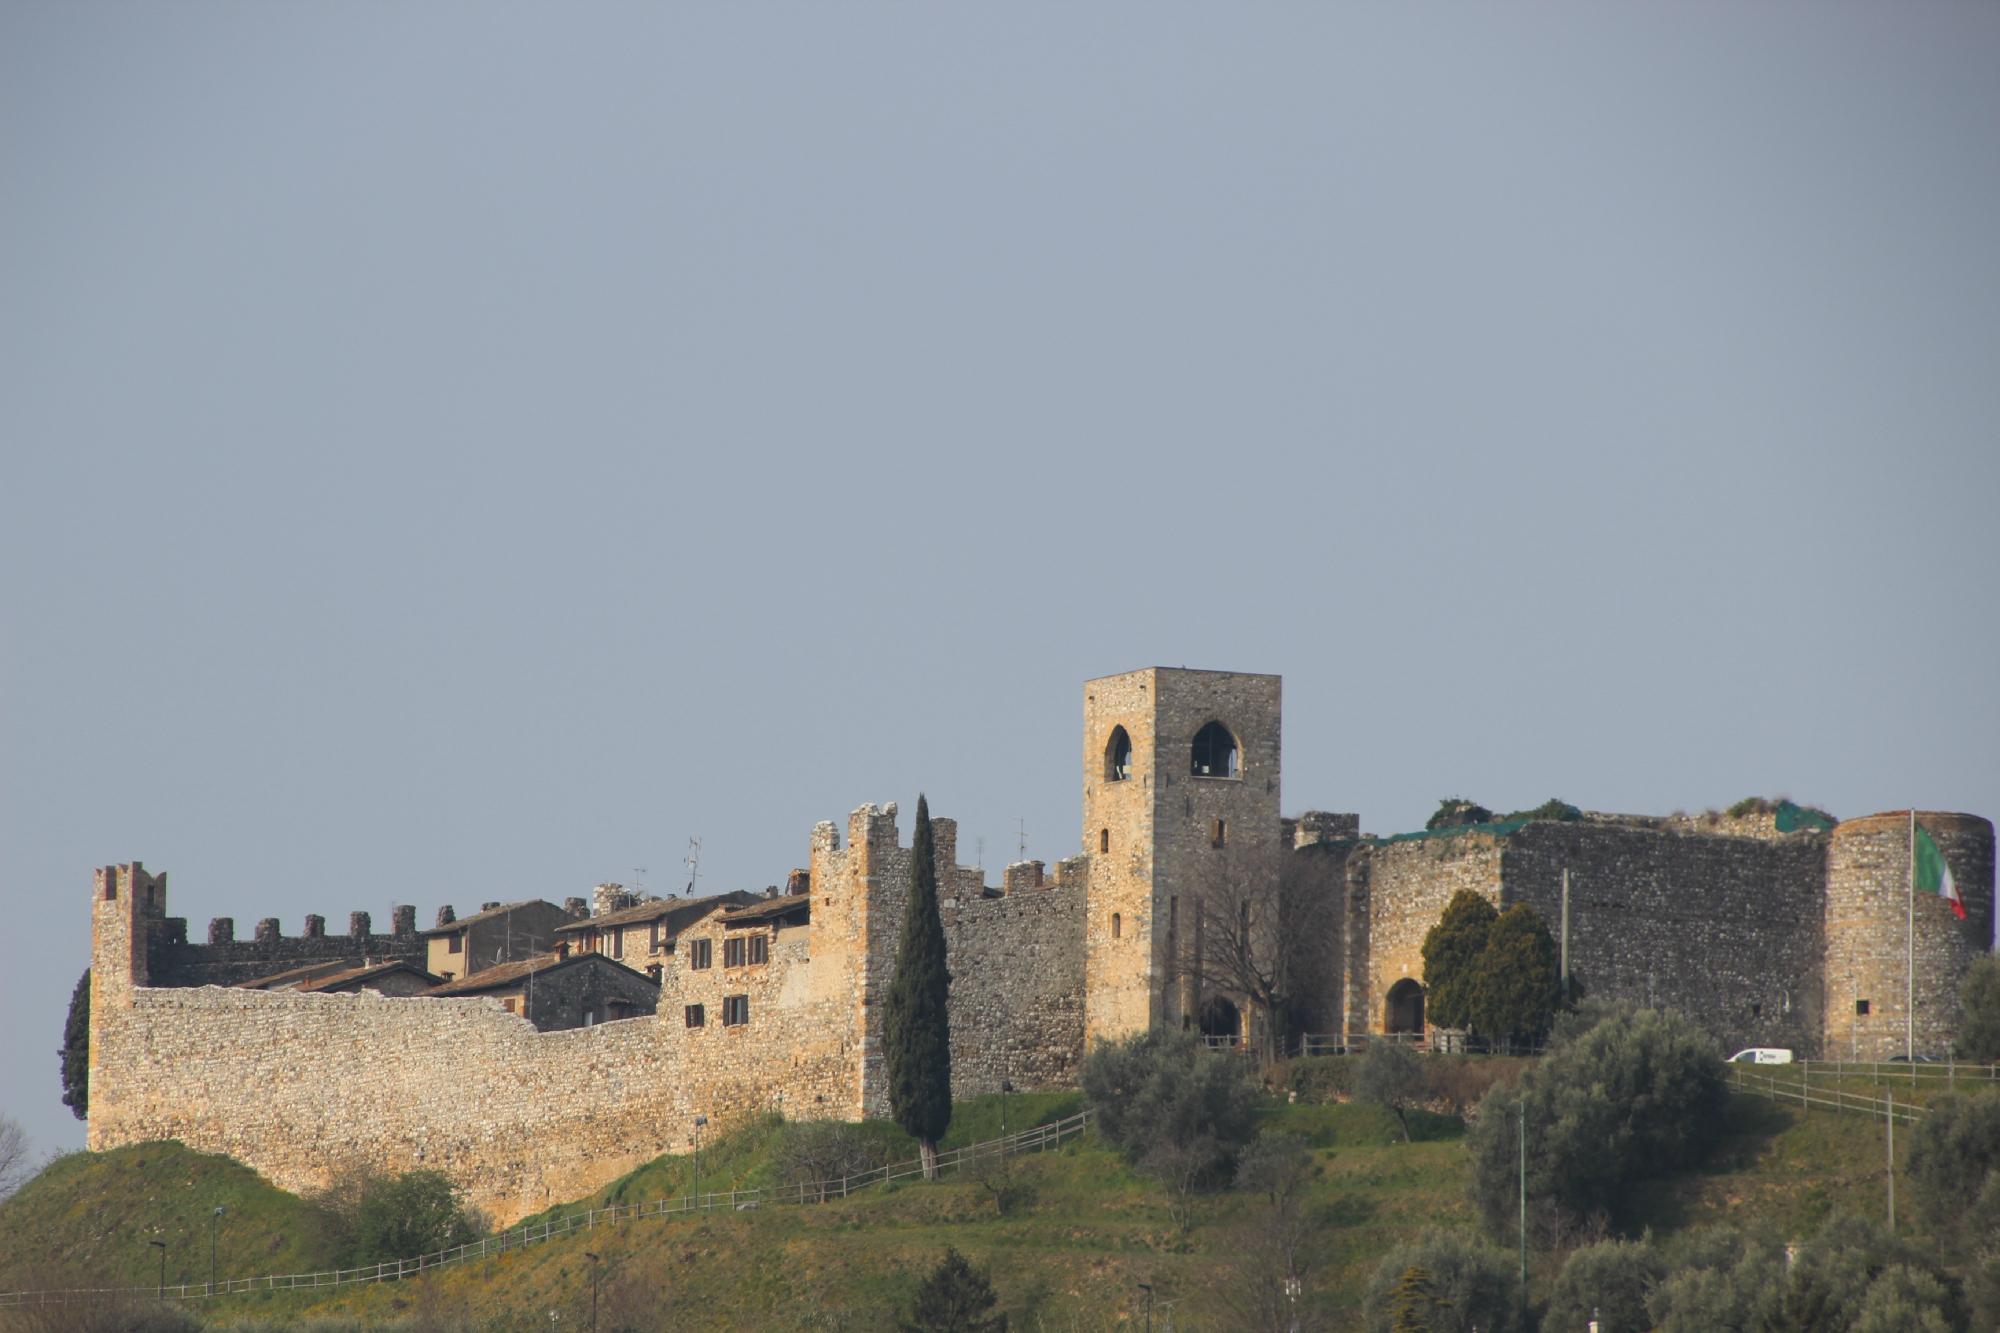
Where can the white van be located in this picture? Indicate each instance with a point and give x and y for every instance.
(1762, 1055)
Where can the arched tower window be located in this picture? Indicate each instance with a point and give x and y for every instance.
(1118, 756)
(1214, 752)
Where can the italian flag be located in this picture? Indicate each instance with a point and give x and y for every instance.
(1931, 874)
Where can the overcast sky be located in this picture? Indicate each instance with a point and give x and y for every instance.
(461, 453)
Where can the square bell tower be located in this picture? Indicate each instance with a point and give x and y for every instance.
(1180, 791)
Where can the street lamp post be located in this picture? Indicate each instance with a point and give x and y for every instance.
(593, 1289)
(1147, 1287)
(161, 1246)
(1006, 1088)
(699, 1121)
(214, 1219)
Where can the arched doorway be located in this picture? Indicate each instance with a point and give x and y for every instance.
(1405, 1012)
(1220, 1021)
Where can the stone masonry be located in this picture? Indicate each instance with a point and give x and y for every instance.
(774, 1003)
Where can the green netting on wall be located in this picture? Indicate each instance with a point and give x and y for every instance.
(1791, 818)
(1498, 828)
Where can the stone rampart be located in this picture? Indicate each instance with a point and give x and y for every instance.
(1726, 929)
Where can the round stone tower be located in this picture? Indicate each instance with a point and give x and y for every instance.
(1868, 933)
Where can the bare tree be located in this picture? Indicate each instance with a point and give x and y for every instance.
(1262, 931)
(14, 1165)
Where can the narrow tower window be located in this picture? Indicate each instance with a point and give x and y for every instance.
(1104, 840)
(1117, 925)
(1214, 752)
(1218, 833)
(1118, 756)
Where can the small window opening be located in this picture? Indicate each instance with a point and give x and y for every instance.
(1756, 1011)
(1118, 756)
(617, 944)
(1218, 833)
(1173, 914)
(732, 951)
(455, 945)
(1214, 752)
(1860, 1007)
(695, 1016)
(1117, 925)
(512, 1004)
(701, 953)
(760, 948)
(1104, 840)
(735, 1010)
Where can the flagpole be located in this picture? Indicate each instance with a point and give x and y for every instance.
(1910, 973)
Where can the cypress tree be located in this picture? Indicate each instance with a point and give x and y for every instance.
(916, 1031)
(1451, 955)
(75, 1050)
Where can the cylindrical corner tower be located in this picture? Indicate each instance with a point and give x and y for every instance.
(1870, 975)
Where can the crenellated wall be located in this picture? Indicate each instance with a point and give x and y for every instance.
(1765, 937)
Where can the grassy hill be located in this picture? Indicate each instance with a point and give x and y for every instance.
(1071, 1253)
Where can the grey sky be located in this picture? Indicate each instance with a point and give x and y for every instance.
(458, 453)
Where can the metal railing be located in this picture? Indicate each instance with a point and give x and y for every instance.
(1444, 1043)
(1037, 1139)
(1801, 1092)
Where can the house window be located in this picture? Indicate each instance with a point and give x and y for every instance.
(617, 944)
(760, 948)
(456, 944)
(1860, 1007)
(701, 953)
(1118, 756)
(735, 1010)
(695, 1016)
(732, 951)
(1117, 925)
(1218, 833)
(1214, 754)
(512, 1004)
(654, 944)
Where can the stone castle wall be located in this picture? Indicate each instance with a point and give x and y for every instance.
(1869, 910)
(1728, 930)
(225, 960)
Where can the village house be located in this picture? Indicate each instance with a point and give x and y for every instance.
(642, 935)
(457, 947)
(561, 989)
(394, 976)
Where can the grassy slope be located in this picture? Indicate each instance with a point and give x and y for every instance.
(88, 1218)
(1071, 1257)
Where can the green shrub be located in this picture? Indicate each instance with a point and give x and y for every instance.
(1640, 1094)
(1554, 808)
(1979, 1029)
(1321, 1079)
(1609, 1281)
(1954, 1167)
(381, 1218)
(954, 1298)
(1472, 1286)
(1392, 1075)
(1456, 812)
(1163, 1088)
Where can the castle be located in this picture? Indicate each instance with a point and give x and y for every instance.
(1767, 930)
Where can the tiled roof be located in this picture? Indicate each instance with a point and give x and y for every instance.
(293, 976)
(654, 910)
(506, 974)
(372, 970)
(764, 909)
(488, 915)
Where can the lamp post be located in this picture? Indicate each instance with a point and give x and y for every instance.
(1006, 1088)
(1147, 1287)
(593, 1289)
(214, 1220)
(161, 1246)
(699, 1121)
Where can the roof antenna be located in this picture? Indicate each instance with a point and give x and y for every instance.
(1021, 828)
(638, 888)
(693, 863)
